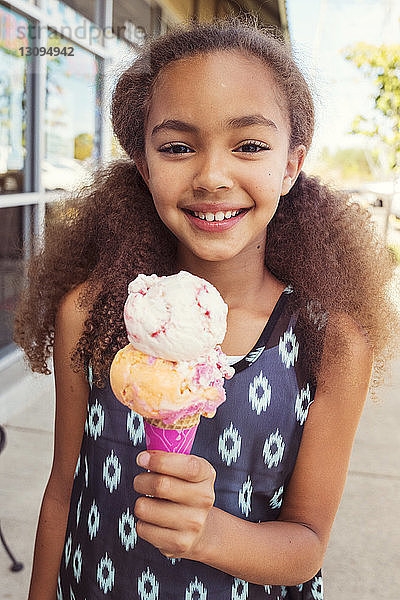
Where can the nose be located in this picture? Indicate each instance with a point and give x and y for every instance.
(212, 174)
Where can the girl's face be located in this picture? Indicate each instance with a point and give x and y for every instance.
(217, 142)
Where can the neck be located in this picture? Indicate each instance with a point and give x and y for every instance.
(240, 280)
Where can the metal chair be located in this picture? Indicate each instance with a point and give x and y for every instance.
(16, 565)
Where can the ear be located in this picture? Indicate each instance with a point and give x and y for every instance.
(294, 165)
(142, 167)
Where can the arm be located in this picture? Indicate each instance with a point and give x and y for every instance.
(284, 552)
(71, 404)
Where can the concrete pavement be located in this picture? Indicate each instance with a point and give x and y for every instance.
(363, 558)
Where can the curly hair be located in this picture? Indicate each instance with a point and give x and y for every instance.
(108, 232)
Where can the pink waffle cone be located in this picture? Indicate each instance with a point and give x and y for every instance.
(177, 437)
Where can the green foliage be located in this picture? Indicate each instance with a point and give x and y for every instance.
(382, 65)
(83, 146)
(12, 52)
(347, 164)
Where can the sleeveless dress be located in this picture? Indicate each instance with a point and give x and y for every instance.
(252, 442)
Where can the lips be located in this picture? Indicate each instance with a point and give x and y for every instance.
(218, 216)
(215, 226)
(214, 208)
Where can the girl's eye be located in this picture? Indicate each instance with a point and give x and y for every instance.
(252, 147)
(175, 149)
(249, 147)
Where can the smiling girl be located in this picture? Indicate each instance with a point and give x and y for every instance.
(216, 120)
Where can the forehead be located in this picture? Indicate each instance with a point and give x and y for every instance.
(209, 87)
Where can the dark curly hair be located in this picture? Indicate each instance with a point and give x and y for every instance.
(109, 231)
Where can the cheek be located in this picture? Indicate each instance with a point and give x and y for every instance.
(165, 202)
(165, 184)
(166, 214)
(160, 188)
(263, 178)
(266, 192)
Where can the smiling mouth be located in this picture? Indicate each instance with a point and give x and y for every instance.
(218, 216)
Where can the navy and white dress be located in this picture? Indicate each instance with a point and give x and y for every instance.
(252, 442)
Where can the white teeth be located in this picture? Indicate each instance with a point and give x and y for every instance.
(218, 216)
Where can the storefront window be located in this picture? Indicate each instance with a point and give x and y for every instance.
(87, 8)
(16, 225)
(72, 115)
(13, 32)
(122, 54)
(77, 19)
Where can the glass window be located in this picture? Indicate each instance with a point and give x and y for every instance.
(77, 19)
(87, 8)
(122, 54)
(16, 224)
(13, 101)
(72, 115)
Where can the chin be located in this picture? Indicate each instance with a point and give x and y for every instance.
(216, 256)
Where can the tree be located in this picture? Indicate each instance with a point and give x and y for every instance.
(382, 65)
(353, 165)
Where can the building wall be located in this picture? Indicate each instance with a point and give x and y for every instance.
(179, 10)
(54, 125)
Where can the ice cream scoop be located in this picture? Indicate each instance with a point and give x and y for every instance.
(176, 317)
(161, 389)
(173, 370)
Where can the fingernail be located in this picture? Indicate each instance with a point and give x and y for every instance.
(143, 459)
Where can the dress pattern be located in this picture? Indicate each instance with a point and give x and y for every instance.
(252, 442)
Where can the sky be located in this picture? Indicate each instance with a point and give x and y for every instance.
(320, 30)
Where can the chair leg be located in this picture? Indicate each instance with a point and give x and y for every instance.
(16, 565)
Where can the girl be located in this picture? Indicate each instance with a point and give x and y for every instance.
(216, 120)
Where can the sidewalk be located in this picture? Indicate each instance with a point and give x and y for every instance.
(24, 468)
(362, 561)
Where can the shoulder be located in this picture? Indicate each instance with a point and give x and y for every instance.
(71, 317)
(70, 310)
(347, 355)
(348, 326)
(70, 302)
(343, 382)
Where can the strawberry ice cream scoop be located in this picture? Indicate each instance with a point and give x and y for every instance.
(179, 317)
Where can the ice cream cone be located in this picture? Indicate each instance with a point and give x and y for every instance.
(177, 437)
(184, 423)
(174, 364)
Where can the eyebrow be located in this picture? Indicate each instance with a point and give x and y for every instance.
(235, 123)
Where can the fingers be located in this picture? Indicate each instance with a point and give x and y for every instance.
(182, 466)
(170, 542)
(178, 495)
(200, 494)
(163, 513)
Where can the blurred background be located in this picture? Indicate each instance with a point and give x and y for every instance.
(59, 61)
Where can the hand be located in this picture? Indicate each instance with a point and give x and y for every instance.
(181, 487)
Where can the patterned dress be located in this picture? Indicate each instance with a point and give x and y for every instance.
(252, 442)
